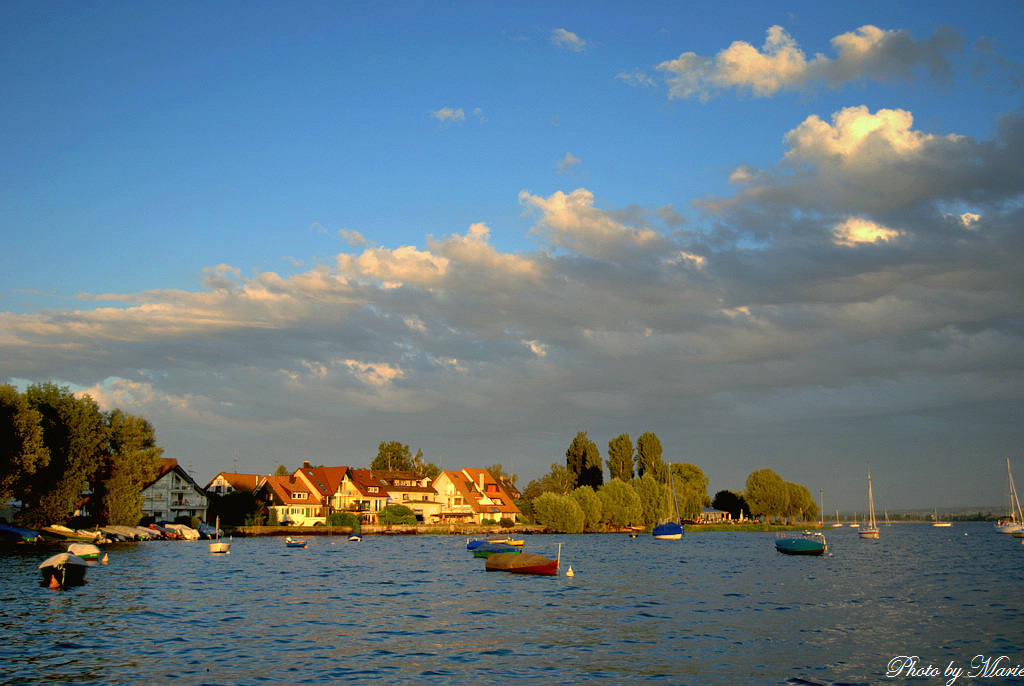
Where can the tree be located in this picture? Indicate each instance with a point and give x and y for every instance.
(22, 448)
(396, 514)
(424, 469)
(583, 461)
(621, 457)
(691, 490)
(559, 513)
(393, 457)
(801, 503)
(131, 462)
(75, 434)
(620, 504)
(654, 499)
(648, 455)
(766, 494)
(731, 502)
(558, 480)
(236, 508)
(590, 505)
(499, 473)
(281, 471)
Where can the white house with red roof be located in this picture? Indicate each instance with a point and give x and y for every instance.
(174, 494)
(473, 495)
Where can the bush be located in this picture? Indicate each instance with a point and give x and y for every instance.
(345, 520)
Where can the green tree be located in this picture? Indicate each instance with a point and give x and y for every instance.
(396, 514)
(559, 513)
(499, 473)
(583, 460)
(424, 469)
(648, 456)
(731, 502)
(22, 447)
(620, 504)
(131, 462)
(620, 458)
(281, 471)
(558, 480)
(590, 504)
(237, 508)
(801, 505)
(766, 494)
(691, 490)
(393, 457)
(654, 499)
(76, 435)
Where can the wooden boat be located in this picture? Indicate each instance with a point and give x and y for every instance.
(355, 538)
(219, 546)
(871, 531)
(1013, 521)
(671, 530)
(86, 551)
(294, 543)
(488, 549)
(808, 543)
(526, 563)
(63, 570)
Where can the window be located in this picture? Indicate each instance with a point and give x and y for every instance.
(405, 496)
(299, 495)
(372, 489)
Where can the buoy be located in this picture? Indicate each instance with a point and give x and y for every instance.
(105, 559)
(53, 582)
(570, 572)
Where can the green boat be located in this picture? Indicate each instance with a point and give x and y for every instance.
(808, 543)
(491, 548)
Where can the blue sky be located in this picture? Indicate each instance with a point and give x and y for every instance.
(781, 235)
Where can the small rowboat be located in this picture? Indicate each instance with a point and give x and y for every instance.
(63, 570)
(526, 563)
(355, 538)
(294, 543)
(488, 549)
(86, 551)
(806, 544)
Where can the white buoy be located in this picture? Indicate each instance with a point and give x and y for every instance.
(570, 572)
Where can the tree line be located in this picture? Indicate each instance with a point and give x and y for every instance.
(54, 447)
(575, 497)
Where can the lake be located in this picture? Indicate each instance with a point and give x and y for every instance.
(713, 608)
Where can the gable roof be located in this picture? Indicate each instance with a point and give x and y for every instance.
(364, 480)
(285, 489)
(324, 480)
(239, 482)
(168, 465)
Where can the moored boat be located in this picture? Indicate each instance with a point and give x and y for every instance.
(808, 543)
(1013, 521)
(219, 546)
(488, 549)
(63, 569)
(86, 551)
(294, 543)
(670, 530)
(525, 563)
(12, 533)
(871, 531)
(354, 537)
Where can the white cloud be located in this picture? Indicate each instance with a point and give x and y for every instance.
(448, 114)
(568, 40)
(568, 163)
(780, 64)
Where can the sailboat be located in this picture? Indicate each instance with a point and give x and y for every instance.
(671, 530)
(871, 531)
(1013, 522)
(838, 523)
(936, 521)
(219, 546)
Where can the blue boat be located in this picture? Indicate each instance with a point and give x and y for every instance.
(485, 549)
(670, 530)
(294, 543)
(355, 538)
(12, 533)
(808, 543)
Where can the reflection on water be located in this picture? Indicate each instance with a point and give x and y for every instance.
(716, 608)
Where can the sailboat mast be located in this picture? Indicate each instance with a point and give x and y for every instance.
(676, 502)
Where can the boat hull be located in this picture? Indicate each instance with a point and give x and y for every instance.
(86, 551)
(868, 533)
(220, 547)
(488, 549)
(63, 569)
(808, 544)
(669, 531)
(528, 563)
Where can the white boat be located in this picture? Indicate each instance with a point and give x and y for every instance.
(219, 546)
(938, 522)
(185, 532)
(63, 570)
(838, 523)
(871, 531)
(1013, 522)
(86, 551)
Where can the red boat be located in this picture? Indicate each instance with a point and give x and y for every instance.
(525, 563)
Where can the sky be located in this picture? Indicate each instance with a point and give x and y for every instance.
(779, 235)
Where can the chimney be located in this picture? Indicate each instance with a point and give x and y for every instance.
(481, 482)
(305, 464)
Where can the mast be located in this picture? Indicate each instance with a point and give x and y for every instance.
(676, 502)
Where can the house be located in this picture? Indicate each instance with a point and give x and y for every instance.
(364, 494)
(291, 500)
(229, 482)
(710, 515)
(326, 482)
(473, 495)
(412, 491)
(174, 494)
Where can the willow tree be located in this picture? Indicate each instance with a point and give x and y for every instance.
(620, 458)
(590, 505)
(131, 463)
(654, 499)
(392, 457)
(691, 489)
(620, 505)
(766, 494)
(76, 436)
(559, 513)
(22, 448)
